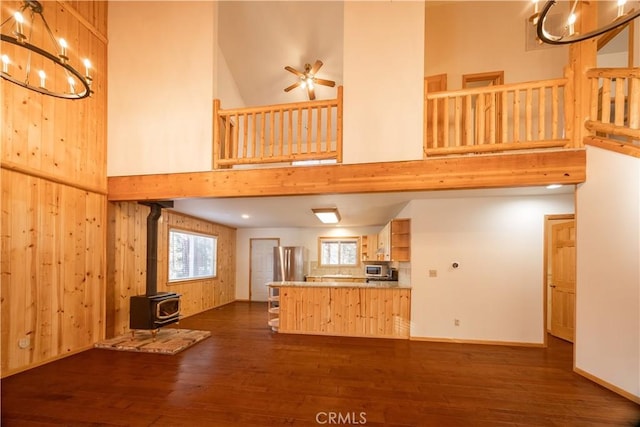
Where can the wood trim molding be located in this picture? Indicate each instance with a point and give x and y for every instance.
(611, 145)
(609, 386)
(483, 342)
(452, 173)
(14, 167)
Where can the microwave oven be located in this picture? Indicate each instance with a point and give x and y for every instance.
(376, 270)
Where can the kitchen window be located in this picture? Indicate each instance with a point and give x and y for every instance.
(339, 251)
(191, 255)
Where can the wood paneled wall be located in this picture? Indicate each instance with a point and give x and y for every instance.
(127, 241)
(53, 156)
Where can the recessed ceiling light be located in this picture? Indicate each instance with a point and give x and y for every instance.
(553, 186)
(327, 215)
(245, 216)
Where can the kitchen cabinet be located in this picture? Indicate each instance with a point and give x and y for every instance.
(369, 247)
(401, 239)
(384, 244)
(273, 309)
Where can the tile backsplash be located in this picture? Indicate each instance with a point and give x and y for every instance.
(315, 270)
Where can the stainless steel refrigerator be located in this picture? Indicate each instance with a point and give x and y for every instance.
(288, 263)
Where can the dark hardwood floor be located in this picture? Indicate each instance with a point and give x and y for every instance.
(245, 375)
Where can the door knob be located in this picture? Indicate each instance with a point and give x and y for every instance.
(552, 286)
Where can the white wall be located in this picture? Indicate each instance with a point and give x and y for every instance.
(497, 291)
(306, 237)
(161, 75)
(608, 270)
(466, 37)
(383, 80)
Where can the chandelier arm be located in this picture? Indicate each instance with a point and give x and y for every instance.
(44, 53)
(550, 39)
(46, 26)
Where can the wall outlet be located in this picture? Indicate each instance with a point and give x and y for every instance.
(456, 322)
(433, 273)
(24, 342)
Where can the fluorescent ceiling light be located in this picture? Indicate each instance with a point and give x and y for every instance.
(553, 186)
(327, 215)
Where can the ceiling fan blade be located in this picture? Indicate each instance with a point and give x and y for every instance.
(316, 67)
(294, 71)
(311, 92)
(293, 86)
(324, 82)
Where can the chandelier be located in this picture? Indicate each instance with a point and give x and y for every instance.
(34, 67)
(568, 33)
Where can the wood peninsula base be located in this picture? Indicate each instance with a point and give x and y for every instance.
(348, 309)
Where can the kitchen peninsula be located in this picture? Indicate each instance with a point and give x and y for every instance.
(375, 309)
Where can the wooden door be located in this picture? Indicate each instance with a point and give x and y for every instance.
(563, 280)
(436, 83)
(490, 111)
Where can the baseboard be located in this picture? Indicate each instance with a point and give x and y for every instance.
(44, 362)
(483, 342)
(609, 386)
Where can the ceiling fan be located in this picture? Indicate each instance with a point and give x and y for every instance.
(308, 79)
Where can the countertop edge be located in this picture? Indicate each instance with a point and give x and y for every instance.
(372, 285)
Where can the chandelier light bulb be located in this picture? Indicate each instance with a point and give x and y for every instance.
(5, 64)
(535, 6)
(19, 32)
(63, 49)
(87, 67)
(43, 78)
(571, 21)
(621, 4)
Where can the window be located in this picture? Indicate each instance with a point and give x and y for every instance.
(338, 251)
(191, 255)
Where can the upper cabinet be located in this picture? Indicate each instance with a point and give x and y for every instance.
(400, 239)
(384, 244)
(369, 247)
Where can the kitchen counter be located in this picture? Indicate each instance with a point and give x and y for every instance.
(380, 309)
(370, 284)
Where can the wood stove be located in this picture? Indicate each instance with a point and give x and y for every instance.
(153, 309)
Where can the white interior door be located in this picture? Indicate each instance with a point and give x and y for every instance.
(261, 267)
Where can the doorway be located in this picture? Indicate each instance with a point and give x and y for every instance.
(491, 112)
(560, 276)
(260, 266)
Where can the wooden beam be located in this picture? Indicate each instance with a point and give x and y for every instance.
(464, 172)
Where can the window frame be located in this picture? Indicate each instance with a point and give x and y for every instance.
(187, 231)
(340, 239)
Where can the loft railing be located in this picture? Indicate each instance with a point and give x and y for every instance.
(498, 118)
(615, 105)
(278, 133)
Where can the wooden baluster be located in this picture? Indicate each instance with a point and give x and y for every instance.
(328, 131)
(245, 134)
(434, 124)
(542, 109)
(481, 118)
(339, 125)
(555, 104)
(516, 115)
(504, 125)
(468, 117)
(234, 136)
(263, 122)
(309, 129)
(528, 117)
(272, 132)
(216, 133)
(445, 123)
(318, 129)
(492, 117)
(290, 132)
(254, 134)
(595, 89)
(457, 120)
(227, 137)
(634, 103)
(619, 101)
(281, 133)
(605, 103)
(299, 131)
